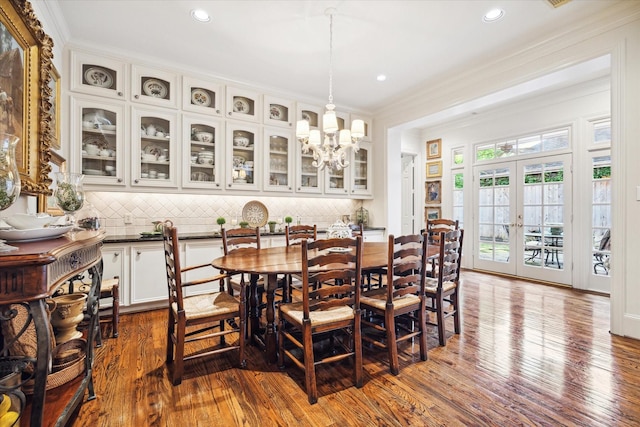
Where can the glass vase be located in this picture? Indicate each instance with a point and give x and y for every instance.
(69, 194)
(9, 177)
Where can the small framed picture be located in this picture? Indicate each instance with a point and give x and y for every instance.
(55, 107)
(434, 169)
(431, 213)
(47, 203)
(433, 149)
(433, 192)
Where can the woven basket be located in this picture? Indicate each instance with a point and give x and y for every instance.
(68, 364)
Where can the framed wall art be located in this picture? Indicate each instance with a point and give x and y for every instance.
(433, 190)
(433, 149)
(434, 169)
(432, 213)
(46, 203)
(26, 52)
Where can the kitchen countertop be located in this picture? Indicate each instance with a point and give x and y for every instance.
(136, 238)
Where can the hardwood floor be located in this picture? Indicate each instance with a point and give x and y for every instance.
(529, 354)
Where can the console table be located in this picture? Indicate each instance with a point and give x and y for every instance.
(28, 276)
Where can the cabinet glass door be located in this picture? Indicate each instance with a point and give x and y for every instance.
(154, 87)
(361, 171)
(278, 160)
(278, 112)
(154, 158)
(202, 164)
(100, 127)
(97, 75)
(243, 104)
(309, 177)
(337, 181)
(202, 96)
(243, 159)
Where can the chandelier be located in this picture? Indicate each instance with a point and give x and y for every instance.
(330, 151)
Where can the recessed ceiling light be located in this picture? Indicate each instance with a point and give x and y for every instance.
(493, 15)
(200, 15)
(381, 77)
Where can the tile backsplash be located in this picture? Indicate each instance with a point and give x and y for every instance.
(196, 213)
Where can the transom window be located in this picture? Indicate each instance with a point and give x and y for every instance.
(553, 140)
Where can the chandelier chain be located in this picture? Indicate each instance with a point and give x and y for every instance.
(331, 58)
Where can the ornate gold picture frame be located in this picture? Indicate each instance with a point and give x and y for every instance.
(25, 61)
(433, 192)
(434, 169)
(47, 203)
(432, 213)
(434, 148)
(54, 86)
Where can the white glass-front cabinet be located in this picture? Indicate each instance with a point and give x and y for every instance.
(100, 126)
(243, 156)
(244, 104)
(154, 153)
(202, 96)
(278, 156)
(202, 162)
(278, 112)
(154, 87)
(97, 75)
(361, 170)
(308, 177)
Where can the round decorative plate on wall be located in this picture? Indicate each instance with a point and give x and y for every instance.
(255, 213)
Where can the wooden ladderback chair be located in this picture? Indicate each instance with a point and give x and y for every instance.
(237, 239)
(442, 291)
(201, 316)
(396, 311)
(295, 235)
(332, 310)
(357, 230)
(433, 230)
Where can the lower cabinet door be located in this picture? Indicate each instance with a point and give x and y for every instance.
(116, 264)
(148, 274)
(197, 253)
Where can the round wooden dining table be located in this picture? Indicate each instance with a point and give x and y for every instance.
(271, 262)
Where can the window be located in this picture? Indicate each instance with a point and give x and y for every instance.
(552, 140)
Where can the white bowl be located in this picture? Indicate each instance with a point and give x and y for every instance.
(28, 221)
(241, 141)
(149, 157)
(109, 168)
(91, 149)
(109, 127)
(204, 136)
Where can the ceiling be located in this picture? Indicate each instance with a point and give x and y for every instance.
(283, 46)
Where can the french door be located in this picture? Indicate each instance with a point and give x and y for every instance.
(523, 216)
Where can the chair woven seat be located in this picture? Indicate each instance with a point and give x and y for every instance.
(199, 306)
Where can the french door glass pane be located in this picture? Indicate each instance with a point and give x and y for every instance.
(494, 215)
(601, 214)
